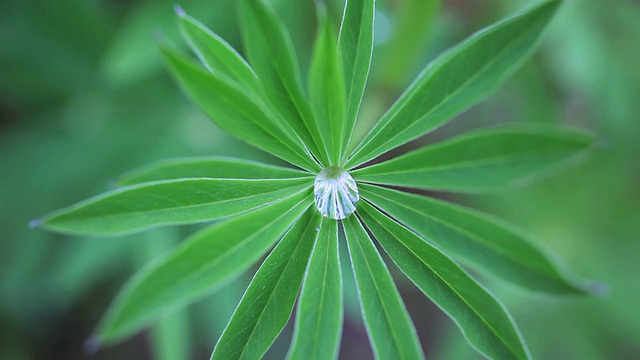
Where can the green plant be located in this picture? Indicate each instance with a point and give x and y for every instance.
(263, 205)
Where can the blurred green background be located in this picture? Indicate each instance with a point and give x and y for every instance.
(84, 97)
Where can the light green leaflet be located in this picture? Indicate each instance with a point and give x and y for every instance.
(326, 84)
(214, 167)
(237, 110)
(459, 78)
(415, 17)
(201, 264)
(319, 319)
(483, 319)
(271, 54)
(216, 53)
(183, 201)
(355, 45)
(268, 302)
(389, 326)
(477, 239)
(481, 161)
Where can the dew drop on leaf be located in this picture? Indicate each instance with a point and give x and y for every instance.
(335, 193)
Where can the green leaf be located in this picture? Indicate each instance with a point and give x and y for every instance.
(400, 54)
(327, 90)
(270, 51)
(481, 317)
(183, 201)
(481, 161)
(456, 80)
(268, 302)
(477, 239)
(355, 45)
(238, 111)
(214, 167)
(388, 324)
(319, 319)
(215, 53)
(171, 338)
(203, 263)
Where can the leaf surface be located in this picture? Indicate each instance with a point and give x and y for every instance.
(326, 83)
(480, 316)
(270, 52)
(456, 80)
(216, 53)
(203, 263)
(355, 45)
(319, 319)
(238, 111)
(214, 167)
(388, 324)
(169, 202)
(268, 302)
(482, 161)
(476, 239)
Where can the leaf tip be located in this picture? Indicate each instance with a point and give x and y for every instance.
(179, 10)
(35, 223)
(598, 289)
(91, 345)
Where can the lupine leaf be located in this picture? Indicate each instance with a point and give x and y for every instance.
(481, 317)
(216, 53)
(205, 261)
(355, 45)
(268, 302)
(476, 239)
(273, 58)
(237, 111)
(319, 319)
(327, 90)
(184, 201)
(481, 161)
(388, 324)
(214, 167)
(456, 80)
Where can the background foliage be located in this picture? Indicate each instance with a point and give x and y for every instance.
(83, 98)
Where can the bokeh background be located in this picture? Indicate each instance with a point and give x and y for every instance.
(84, 97)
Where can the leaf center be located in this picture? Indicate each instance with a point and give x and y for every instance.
(335, 193)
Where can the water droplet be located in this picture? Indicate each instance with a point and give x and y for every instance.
(335, 193)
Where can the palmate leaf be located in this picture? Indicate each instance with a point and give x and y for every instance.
(264, 104)
(388, 324)
(271, 54)
(183, 201)
(326, 83)
(355, 45)
(319, 319)
(268, 302)
(459, 78)
(205, 261)
(238, 111)
(482, 318)
(214, 167)
(481, 161)
(476, 239)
